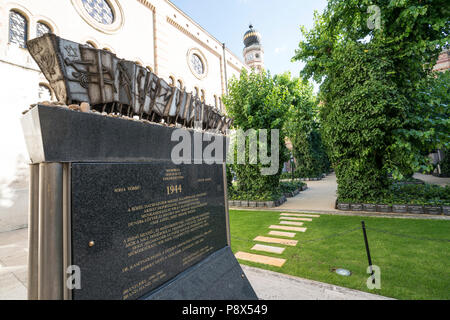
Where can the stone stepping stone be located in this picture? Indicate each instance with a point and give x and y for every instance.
(286, 228)
(292, 223)
(296, 219)
(286, 242)
(301, 215)
(276, 262)
(271, 249)
(282, 234)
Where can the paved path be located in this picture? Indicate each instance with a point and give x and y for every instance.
(270, 285)
(320, 196)
(288, 222)
(427, 178)
(13, 264)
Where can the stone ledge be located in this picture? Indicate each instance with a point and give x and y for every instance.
(396, 208)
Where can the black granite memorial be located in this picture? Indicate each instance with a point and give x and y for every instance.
(137, 225)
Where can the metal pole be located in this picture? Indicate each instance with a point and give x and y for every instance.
(292, 168)
(33, 233)
(367, 249)
(67, 234)
(51, 282)
(225, 67)
(227, 210)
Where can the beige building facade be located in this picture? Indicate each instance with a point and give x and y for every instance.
(154, 33)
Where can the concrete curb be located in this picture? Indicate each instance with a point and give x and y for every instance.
(271, 285)
(352, 213)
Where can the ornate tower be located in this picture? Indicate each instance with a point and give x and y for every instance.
(253, 51)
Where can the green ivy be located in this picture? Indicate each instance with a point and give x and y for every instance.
(383, 110)
(257, 101)
(414, 194)
(302, 129)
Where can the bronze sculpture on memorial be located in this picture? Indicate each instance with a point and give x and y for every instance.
(79, 73)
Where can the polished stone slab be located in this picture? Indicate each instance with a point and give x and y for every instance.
(136, 226)
(286, 228)
(286, 242)
(282, 234)
(270, 249)
(218, 277)
(300, 215)
(276, 262)
(292, 223)
(57, 134)
(297, 219)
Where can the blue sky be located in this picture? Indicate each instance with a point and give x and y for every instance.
(277, 20)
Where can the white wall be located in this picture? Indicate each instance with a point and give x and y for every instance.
(135, 40)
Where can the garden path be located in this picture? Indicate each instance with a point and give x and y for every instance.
(427, 178)
(320, 196)
(286, 224)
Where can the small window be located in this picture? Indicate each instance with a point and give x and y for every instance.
(197, 64)
(45, 94)
(99, 10)
(42, 28)
(18, 29)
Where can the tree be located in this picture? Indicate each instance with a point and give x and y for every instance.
(256, 101)
(371, 88)
(302, 128)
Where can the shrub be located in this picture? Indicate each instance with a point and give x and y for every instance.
(383, 110)
(257, 101)
(415, 194)
(287, 187)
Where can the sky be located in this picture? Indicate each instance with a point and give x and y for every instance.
(278, 21)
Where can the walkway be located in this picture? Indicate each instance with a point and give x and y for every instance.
(427, 178)
(320, 196)
(289, 222)
(13, 264)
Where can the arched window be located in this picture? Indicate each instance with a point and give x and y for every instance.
(18, 29)
(215, 102)
(180, 84)
(197, 93)
(45, 94)
(42, 28)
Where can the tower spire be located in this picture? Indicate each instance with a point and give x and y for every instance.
(253, 50)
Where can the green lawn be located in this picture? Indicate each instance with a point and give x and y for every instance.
(410, 268)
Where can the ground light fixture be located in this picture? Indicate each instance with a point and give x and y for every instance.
(342, 272)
